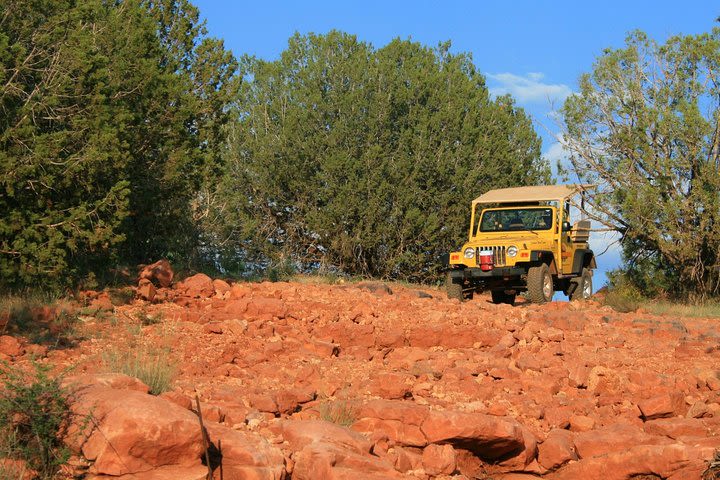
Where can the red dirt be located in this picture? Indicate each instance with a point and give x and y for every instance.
(262, 351)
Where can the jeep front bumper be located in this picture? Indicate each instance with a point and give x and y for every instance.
(474, 273)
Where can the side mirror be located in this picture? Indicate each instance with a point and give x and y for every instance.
(566, 227)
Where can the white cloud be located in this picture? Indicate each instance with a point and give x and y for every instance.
(528, 88)
(556, 153)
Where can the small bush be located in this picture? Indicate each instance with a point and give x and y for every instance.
(34, 416)
(338, 412)
(712, 472)
(150, 365)
(121, 296)
(146, 319)
(281, 271)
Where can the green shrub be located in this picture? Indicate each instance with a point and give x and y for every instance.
(149, 364)
(121, 296)
(34, 416)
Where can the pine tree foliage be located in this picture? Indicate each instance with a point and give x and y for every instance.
(365, 159)
(110, 113)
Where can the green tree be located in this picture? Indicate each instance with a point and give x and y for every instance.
(110, 115)
(645, 127)
(365, 159)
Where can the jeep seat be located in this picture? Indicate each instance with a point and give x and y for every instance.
(580, 232)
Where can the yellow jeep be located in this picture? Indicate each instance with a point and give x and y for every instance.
(521, 240)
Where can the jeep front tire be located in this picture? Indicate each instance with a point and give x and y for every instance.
(454, 290)
(539, 284)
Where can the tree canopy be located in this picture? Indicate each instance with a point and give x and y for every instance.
(645, 127)
(365, 159)
(111, 114)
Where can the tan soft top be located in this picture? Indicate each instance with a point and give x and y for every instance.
(541, 193)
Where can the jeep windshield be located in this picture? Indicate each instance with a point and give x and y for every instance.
(516, 219)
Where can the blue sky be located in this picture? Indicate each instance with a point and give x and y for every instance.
(533, 50)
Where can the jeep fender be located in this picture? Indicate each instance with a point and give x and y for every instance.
(583, 258)
(544, 256)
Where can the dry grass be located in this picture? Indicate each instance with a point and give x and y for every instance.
(339, 412)
(150, 364)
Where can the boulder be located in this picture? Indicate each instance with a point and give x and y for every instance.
(10, 346)
(661, 406)
(197, 286)
(613, 438)
(129, 432)
(439, 459)
(244, 455)
(325, 451)
(146, 290)
(641, 461)
(557, 449)
(487, 436)
(117, 381)
(159, 274)
(221, 287)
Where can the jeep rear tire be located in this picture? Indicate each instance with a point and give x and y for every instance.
(454, 290)
(500, 296)
(539, 284)
(584, 287)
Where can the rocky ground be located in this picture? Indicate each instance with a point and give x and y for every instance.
(311, 381)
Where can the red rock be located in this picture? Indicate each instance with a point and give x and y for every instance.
(392, 386)
(117, 381)
(697, 410)
(178, 398)
(661, 406)
(439, 459)
(558, 417)
(330, 462)
(551, 335)
(239, 290)
(676, 427)
(581, 423)
(662, 461)
(133, 432)
(395, 430)
(487, 436)
(221, 287)
(146, 290)
(321, 348)
(266, 307)
(289, 400)
(613, 438)
(246, 455)
(408, 459)
(300, 433)
(10, 346)
(170, 472)
(102, 303)
(197, 286)
(557, 449)
(264, 403)
(213, 327)
(235, 326)
(325, 451)
(159, 273)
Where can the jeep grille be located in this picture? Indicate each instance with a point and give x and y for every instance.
(498, 255)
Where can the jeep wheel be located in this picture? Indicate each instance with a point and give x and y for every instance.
(454, 290)
(584, 287)
(500, 296)
(539, 284)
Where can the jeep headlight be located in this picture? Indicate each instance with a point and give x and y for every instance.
(469, 252)
(512, 251)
